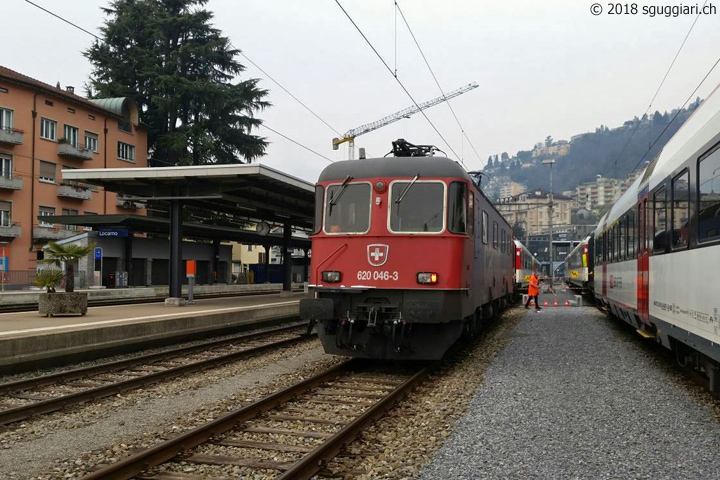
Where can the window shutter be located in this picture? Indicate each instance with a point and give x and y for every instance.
(47, 170)
(6, 206)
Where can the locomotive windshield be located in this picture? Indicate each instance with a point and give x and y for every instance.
(347, 208)
(421, 210)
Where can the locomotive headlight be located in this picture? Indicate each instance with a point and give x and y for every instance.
(427, 278)
(331, 276)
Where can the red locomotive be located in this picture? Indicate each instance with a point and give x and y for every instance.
(407, 254)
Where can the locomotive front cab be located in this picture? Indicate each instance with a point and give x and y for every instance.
(387, 258)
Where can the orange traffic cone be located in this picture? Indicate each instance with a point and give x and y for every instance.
(545, 305)
(555, 304)
(567, 303)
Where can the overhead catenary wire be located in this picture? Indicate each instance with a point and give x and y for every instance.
(677, 54)
(397, 79)
(286, 91)
(289, 93)
(678, 112)
(442, 92)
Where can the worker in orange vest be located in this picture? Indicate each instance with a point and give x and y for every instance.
(533, 292)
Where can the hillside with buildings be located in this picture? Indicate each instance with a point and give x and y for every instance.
(612, 153)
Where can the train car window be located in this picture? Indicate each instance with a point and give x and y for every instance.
(659, 220)
(457, 207)
(611, 245)
(709, 196)
(319, 197)
(484, 227)
(495, 235)
(631, 234)
(471, 213)
(421, 209)
(680, 212)
(347, 209)
(621, 239)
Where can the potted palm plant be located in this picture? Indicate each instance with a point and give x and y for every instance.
(67, 302)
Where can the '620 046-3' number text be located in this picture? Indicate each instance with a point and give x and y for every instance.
(383, 275)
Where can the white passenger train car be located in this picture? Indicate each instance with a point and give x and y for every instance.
(657, 251)
(525, 265)
(578, 265)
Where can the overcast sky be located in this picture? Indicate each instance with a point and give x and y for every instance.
(544, 67)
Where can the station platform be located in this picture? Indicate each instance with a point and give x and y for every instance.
(30, 341)
(574, 394)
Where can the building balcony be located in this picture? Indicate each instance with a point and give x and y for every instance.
(51, 232)
(73, 151)
(73, 191)
(128, 203)
(10, 231)
(11, 136)
(10, 183)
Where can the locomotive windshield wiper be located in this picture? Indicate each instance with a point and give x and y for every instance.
(336, 197)
(404, 192)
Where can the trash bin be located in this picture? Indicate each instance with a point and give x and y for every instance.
(110, 280)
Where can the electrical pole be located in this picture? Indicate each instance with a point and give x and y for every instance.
(550, 220)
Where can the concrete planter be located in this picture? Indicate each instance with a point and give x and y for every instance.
(62, 303)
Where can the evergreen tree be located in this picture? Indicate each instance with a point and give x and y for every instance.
(505, 157)
(490, 162)
(180, 71)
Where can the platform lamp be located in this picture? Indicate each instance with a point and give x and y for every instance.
(4, 269)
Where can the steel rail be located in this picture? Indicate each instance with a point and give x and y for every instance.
(135, 464)
(54, 404)
(309, 465)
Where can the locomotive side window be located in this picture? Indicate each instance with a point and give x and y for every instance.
(421, 207)
(347, 208)
(659, 220)
(495, 235)
(709, 196)
(680, 210)
(484, 227)
(457, 207)
(319, 197)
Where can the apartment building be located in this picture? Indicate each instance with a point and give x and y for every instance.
(43, 130)
(531, 210)
(511, 188)
(593, 195)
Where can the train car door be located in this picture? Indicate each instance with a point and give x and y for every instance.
(643, 262)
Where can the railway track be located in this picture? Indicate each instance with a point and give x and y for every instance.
(25, 398)
(292, 433)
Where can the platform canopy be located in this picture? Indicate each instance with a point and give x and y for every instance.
(254, 191)
(197, 231)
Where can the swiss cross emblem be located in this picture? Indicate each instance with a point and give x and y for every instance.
(377, 254)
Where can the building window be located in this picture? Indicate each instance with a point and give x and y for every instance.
(6, 119)
(6, 167)
(91, 117)
(49, 103)
(680, 210)
(709, 196)
(3, 90)
(124, 126)
(250, 248)
(71, 135)
(484, 227)
(46, 212)
(91, 141)
(660, 220)
(5, 214)
(70, 211)
(48, 129)
(47, 171)
(126, 152)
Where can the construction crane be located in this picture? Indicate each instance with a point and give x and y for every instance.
(350, 135)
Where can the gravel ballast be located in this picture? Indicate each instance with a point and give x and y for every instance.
(573, 396)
